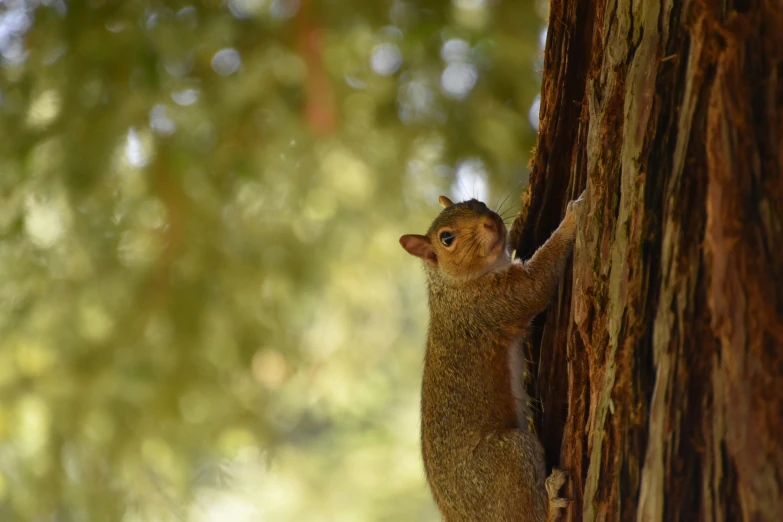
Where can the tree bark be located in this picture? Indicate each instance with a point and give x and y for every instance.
(660, 363)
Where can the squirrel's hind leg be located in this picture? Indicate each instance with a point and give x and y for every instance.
(554, 482)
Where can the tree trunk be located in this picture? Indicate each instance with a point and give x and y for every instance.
(660, 364)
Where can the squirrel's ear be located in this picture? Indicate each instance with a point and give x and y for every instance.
(418, 246)
(444, 201)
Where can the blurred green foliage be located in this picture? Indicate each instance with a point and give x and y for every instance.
(204, 311)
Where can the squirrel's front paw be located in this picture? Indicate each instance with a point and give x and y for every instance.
(575, 205)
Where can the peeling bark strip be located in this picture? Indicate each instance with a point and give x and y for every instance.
(662, 379)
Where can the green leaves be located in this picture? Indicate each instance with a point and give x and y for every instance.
(204, 310)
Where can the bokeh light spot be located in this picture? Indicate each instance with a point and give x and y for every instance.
(386, 59)
(160, 121)
(185, 97)
(458, 80)
(226, 62)
(43, 222)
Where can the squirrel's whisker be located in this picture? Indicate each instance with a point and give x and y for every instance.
(505, 188)
(507, 196)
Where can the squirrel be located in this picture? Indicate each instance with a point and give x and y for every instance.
(482, 461)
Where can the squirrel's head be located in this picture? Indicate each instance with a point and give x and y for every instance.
(465, 241)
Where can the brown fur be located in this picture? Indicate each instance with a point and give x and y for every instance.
(482, 462)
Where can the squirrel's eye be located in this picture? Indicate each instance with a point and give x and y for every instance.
(447, 238)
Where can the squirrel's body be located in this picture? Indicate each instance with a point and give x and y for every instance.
(481, 461)
(468, 438)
